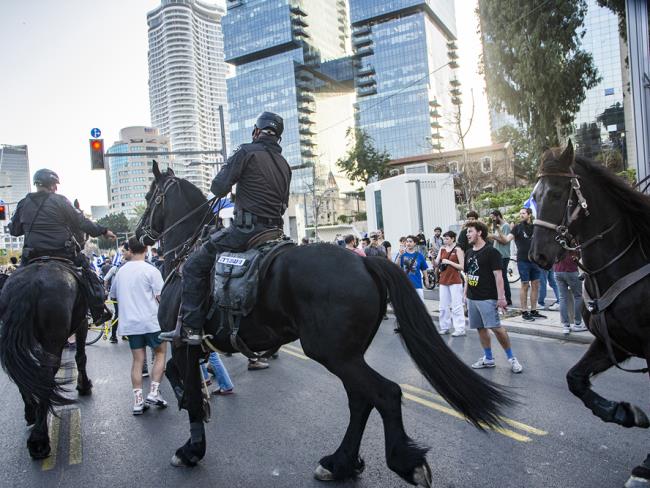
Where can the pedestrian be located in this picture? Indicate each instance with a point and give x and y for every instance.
(350, 244)
(375, 249)
(450, 261)
(436, 241)
(221, 376)
(500, 231)
(413, 264)
(304, 241)
(485, 295)
(471, 216)
(137, 287)
(383, 242)
(421, 243)
(401, 249)
(365, 242)
(547, 277)
(108, 281)
(522, 234)
(570, 289)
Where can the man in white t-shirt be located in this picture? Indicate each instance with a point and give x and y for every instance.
(137, 287)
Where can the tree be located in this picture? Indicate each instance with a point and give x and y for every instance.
(363, 162)
(533, 64)
(138, 211)
(118, 223)
(526, 156)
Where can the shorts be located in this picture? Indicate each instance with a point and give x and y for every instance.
(528, 271)
(483, 314)
(140, 341)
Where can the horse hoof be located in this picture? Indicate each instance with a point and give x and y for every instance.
(178, 462)
(322, 474)
(636, 482)
(640, 418)
(422, 476)
(38, 454)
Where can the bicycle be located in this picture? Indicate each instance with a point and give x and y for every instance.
(433, 279)
(513, 271)
(103, 330)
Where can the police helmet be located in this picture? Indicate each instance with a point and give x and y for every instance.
(46, 177)
(270, 121)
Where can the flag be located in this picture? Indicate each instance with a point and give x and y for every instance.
(531, 203)
(117, 259)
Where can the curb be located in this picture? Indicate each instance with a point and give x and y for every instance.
(543, 331)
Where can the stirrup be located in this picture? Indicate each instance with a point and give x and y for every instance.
(168, 336)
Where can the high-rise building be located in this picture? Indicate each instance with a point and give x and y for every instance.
(14, 185)
(128, 177)
(187, 87)
(291, 57)
(405, 80)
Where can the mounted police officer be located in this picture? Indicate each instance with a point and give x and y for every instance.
(263, 177)
(49, 223)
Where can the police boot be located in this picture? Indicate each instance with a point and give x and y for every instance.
(101, 314)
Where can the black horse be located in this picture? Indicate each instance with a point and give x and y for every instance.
(583, 207)
(335, 327)
(41, 305)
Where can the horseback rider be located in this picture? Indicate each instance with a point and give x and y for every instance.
(49, 223)
(263, 177)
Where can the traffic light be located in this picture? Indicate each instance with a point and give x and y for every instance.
(96, 153)
(3, 211)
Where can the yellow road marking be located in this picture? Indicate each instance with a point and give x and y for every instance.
(75, 437)
(513, 423)
(50, 462)
(293, 353)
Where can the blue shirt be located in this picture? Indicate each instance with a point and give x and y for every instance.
(413, 264)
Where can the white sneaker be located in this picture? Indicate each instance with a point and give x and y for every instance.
(139, 405)
(156, 400)
(555, 307)
(579, 328)
(566, 330)
(484, 363)
(458, 333)
(515, 366)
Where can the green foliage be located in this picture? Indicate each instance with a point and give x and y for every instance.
(629, 175)
(363, 161)
(118, 223)
(533, 64)
(617, 7)
(514, 197)
(526, 157)
(613, 160)
(133, 221)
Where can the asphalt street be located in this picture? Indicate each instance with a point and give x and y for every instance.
(280, 421)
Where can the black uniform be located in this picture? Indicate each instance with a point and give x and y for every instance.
(263, 177)
(49, 222)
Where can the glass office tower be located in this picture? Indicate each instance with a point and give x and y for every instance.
(405, 61)
(289, 58)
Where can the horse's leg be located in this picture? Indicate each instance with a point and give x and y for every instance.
(368, 387)
(345, 462)
(187, 364)
(38, 442)
(30, 409)
(84, 385)
(596, 360)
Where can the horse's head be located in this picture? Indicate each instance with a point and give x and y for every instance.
(152, 223)
(555, 195)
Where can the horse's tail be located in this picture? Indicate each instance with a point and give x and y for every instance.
(478, 399)
(22, 357)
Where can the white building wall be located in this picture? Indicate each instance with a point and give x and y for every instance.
(399, 205)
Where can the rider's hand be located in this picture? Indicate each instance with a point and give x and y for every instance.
(109, 234)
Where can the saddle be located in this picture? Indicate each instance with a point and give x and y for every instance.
(236, 278)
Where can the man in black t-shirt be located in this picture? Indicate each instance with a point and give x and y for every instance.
(485, 295)
(522, 233)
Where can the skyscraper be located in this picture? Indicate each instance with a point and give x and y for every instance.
(128, 177)
(290, 58)
(14, 174)
(405, 80)
(187, 87)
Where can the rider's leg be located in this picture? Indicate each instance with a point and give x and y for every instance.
(94, 291)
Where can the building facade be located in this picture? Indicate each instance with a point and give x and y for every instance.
(128, 177)
(405, 80)
(290, 57)
(187, 84)
(14, 185)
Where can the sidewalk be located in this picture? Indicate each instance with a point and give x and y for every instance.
(550, 327)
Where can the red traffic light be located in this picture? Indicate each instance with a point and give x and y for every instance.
(3, 212)
(96, 153)
(96, 145)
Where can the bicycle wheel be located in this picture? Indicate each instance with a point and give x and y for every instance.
(513, 271)
(432, 279)
(95, 332)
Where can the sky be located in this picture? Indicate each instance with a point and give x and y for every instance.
(70, 66)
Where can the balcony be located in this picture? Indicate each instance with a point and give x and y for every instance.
(306, 131)
(366, 91)
(295, 9)
(436, 135)
(366, 71)
(306, 97)
(436, 125)
(358, 42)
(366, 82)
(300, 32)
(454, 82)
(456, 101)
(436, 146)
(305, 141)
(364, 51)
(452, 55)
(361, 31)
(305, 85)
(307, 153)
(305, 120)
(299, 22)
(451, 45)
(434, 113)
(455, 92)
(453, 64)
(434, 103)
(305, 109)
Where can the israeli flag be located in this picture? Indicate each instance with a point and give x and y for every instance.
(117, 259)
(531, 203)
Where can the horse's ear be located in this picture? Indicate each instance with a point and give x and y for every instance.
(156, 170)
(567, 157)
(76, 204)
(170, 172)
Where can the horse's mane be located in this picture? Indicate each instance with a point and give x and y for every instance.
(634, 205)
(192, 192)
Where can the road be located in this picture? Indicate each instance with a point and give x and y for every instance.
(272, 432)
